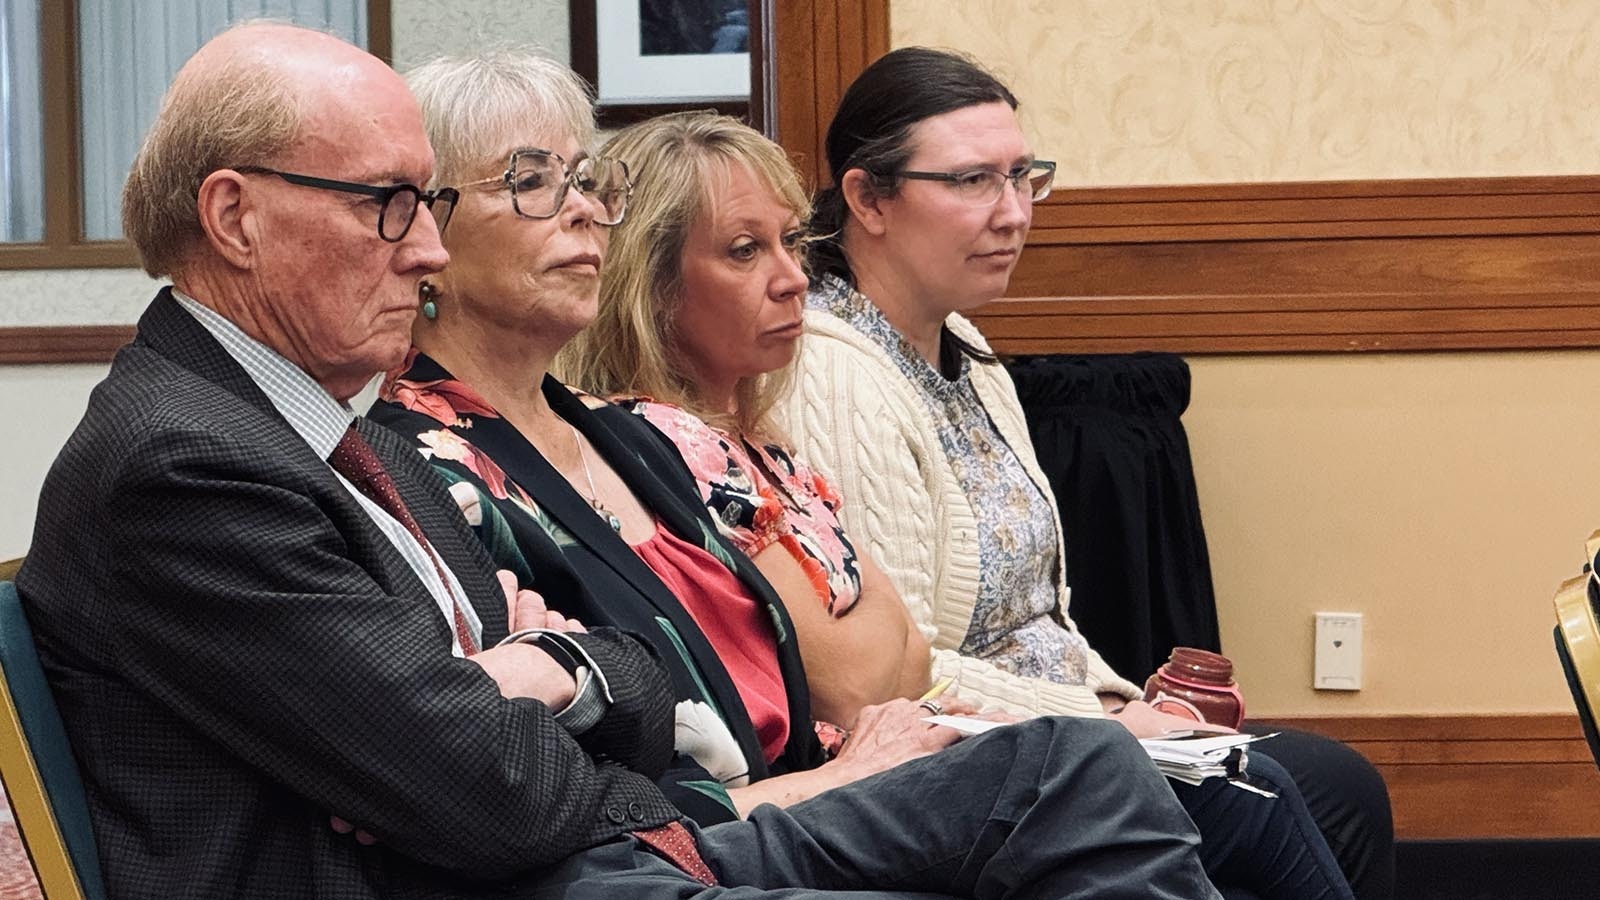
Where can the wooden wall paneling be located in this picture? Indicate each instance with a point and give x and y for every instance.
(1477, 777)
(794, 102)
(1488, 263)
(70, 344)
(819, 46)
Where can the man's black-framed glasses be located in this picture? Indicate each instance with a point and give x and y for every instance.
(982, 187)
(539, 180)
(397, 202)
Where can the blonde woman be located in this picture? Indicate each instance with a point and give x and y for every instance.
(725, 202)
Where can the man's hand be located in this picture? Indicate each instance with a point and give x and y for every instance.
(526, 609)
(524, 670)
(520, 670)
(342, 827)
(1145, 721)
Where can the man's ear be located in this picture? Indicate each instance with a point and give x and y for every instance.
(863, 200)
(226, 216)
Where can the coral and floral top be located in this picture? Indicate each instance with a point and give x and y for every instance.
(761, 494)
(518, 506)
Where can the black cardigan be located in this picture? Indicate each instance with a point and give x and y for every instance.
(583, 569)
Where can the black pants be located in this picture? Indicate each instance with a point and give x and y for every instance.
(1054, 809)
(1262, 848)
(1349, 801)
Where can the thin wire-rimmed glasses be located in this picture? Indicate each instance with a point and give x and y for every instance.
(539, 179)
(397, 202)
(982, 187)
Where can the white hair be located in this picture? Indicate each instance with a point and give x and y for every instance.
(473, 105)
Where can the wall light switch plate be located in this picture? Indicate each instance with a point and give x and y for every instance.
(1338, 652)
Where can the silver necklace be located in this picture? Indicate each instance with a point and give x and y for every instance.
(594, 495)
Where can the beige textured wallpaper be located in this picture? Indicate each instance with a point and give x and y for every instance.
(1192, 91)
(424, 29)
(1442, 495)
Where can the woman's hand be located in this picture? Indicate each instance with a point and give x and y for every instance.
(995, 714)
(888, 734)
(1145, 721)
(950, 705)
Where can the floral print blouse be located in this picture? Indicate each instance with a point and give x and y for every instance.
(1012, 620)
(760, 494)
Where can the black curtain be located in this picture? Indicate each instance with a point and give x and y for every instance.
(1109, 438)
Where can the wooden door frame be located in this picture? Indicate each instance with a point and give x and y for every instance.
(816, 47)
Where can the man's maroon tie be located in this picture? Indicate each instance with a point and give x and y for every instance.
(676, 844)
(355, 460)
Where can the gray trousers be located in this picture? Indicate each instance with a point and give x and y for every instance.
(1050, 808)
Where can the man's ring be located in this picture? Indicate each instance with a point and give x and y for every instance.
(932, 707)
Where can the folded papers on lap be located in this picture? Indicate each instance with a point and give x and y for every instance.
(1190, 757)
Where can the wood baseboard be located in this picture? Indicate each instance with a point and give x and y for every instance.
(1471, 777)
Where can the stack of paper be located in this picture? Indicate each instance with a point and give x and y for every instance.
(1194, 759)
(1191, 757)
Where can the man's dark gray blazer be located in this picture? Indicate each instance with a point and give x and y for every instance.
(238, 653)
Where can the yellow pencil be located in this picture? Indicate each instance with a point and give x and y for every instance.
(937, 689)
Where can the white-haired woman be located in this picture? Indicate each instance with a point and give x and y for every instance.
(588, 506)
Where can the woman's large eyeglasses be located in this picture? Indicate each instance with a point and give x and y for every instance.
(982, 187)
(397, 202)
(539, 180)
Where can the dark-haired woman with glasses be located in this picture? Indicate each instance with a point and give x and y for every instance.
(900, 402)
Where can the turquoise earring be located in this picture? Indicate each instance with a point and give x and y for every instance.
(430, 308)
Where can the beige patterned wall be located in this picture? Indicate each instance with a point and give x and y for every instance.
(427, 28)
(1183, 91)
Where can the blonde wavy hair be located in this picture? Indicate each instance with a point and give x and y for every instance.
(631, 346)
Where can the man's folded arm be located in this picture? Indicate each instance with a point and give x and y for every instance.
(246, 618)
(630, 733)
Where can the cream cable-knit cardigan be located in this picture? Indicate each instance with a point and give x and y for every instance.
(854, 416)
